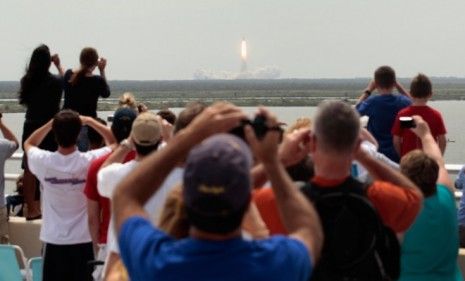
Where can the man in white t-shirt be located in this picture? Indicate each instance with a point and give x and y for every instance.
(62, 174)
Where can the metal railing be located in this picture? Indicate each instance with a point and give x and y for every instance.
(451, 168)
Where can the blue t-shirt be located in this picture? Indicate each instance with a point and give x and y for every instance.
(430, 246)
(150, 254)
(382, 111)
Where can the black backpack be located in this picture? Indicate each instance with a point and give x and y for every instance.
(357, 245)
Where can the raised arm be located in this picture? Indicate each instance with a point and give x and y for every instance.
(57, 62)
(442, 143)
(292, 150)
(7, 133)
(391, 191)
(38, 136)
(103, 130)
(166, 129)
(381, 171)
(365, 135)
(132, 193)
(118, 155)
(431, 148)
(297, 213)
(367, 92)
(253, 223)
(402, 91)
(102, 64)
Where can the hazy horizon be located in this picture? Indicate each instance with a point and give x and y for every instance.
(251, 80)
(149, 40)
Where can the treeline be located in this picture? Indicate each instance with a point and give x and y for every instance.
(440, 83)
(279, 92)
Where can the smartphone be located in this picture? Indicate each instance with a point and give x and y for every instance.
(406, 122)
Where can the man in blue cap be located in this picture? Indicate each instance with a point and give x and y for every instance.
(216, 194)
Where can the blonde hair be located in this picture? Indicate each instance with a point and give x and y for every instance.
(300, 123)
(173, 218)
(128, 100)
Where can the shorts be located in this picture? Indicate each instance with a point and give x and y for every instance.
(68, 262)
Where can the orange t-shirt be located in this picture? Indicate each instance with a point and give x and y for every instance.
(398, 207)
(266, 205)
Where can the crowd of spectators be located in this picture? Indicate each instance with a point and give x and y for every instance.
(215, 194)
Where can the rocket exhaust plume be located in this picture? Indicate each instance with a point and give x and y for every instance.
(266, 72)
(243, 56)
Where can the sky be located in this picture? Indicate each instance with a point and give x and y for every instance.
(174, 39)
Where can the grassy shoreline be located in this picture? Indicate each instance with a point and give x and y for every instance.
(11, 106)
(279, 92)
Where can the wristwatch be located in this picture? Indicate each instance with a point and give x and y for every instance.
(368, 92)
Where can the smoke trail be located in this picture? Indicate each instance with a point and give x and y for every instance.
(267, 72)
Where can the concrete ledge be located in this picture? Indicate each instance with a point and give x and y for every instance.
(26, 235)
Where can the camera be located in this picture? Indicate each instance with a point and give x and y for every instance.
(406, 122)
(258, 124)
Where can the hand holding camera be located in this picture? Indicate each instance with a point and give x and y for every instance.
(56, 60)
(421, 128)
(406, 122)
(259, 126)
(263, 135)
(101, 64)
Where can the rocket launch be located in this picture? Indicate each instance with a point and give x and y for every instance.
(243, 49)
(243, 56)
(264, 72)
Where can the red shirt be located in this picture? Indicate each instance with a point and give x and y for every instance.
(91, 193)
(409, 141)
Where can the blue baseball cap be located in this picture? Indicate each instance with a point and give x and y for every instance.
(122, 122)
(217, 177)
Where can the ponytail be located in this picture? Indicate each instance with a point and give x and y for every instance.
(77, 76)
(88, 59)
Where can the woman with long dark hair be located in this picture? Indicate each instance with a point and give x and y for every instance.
(40, 92)
(82, 88)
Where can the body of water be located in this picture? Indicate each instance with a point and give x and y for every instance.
(452, 112)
